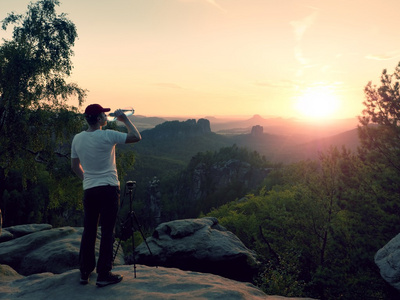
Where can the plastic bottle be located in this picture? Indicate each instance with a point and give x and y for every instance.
(128, 111)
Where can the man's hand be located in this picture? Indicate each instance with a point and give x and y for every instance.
(133, 134)
(120, 115)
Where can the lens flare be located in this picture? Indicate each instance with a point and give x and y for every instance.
(317, 103)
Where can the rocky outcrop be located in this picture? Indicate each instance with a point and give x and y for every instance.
(257, 131)
(194, 244)
(49, 255)
(14, 232)
(200, 245)
(178, 129)
(45, 249)
(204, 125)
(154, 207)
(150, 283)
(388, 261)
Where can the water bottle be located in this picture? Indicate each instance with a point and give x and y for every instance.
(128, 111)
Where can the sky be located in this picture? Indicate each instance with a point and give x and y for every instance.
(274, 58)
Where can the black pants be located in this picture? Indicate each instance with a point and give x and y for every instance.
(100, 203)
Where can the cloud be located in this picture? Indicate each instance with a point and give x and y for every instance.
(383, 56)
(301, 26)
(215, 4)
(167, 85)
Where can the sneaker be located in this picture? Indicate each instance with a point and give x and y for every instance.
(107, 279)
(85, 277)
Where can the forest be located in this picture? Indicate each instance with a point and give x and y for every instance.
(315, 224)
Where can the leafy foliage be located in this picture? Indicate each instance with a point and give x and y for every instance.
(36, 123)
(314, 237)
(380, 134)
(35, 119)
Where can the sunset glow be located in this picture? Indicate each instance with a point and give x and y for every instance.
(224, 57)
(318, 103)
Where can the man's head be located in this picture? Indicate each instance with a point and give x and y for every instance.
(95, 113)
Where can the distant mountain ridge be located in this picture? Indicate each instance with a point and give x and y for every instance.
(276, 125)
(290, 141)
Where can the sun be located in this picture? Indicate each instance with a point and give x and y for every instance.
(318, 103)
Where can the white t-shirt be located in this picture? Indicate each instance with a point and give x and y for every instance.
(96, 152)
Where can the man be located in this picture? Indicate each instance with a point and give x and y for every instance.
(93, 161)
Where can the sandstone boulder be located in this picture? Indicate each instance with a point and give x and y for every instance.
(21, 230)
(13, 232)
(52, 250)
(5, 236)
(200, 245)
(388, 260)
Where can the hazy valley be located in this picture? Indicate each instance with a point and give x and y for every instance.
(170, 146)
(282, 140)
